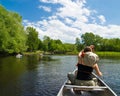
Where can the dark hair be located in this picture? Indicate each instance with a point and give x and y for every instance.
(87, 49)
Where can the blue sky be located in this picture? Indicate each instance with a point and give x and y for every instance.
(109, 8)
(68, 19)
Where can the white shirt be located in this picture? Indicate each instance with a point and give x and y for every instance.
(90, 58)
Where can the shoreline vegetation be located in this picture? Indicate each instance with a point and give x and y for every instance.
(109, 54)
(101, 54)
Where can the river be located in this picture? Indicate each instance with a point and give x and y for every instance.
(32, 76)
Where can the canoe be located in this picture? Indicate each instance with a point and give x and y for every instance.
(74, 90)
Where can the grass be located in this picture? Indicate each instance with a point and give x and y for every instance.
(108, 54)
(32, 53)
(99, 53)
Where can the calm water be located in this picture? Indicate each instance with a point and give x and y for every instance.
(30, 76)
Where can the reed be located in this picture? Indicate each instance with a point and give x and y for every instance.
(108, 54)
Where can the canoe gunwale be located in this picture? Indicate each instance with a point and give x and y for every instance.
(104, 84)
(86, 88)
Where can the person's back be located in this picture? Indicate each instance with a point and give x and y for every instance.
(84, 74)
(87, 61)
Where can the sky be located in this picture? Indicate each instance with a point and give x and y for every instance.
(68, 19)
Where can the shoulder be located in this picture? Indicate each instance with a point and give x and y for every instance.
(94, 56)
(80, 53)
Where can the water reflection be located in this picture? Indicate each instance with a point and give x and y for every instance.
(31, 62)
(20, 76)
(10, 69)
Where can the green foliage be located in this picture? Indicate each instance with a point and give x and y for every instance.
(46, 41)
(79, 45)
(90, 38)
(53, 46)
(70, 47)
(109, 54)
(12, 35)
(110, 44)
(32, 40)
(101, 44)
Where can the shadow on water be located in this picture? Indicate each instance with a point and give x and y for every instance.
(19, 75)
(48, 58)
(10, 70)
(13, 73)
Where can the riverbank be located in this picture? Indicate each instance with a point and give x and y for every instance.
(101, 54)
(33, 53)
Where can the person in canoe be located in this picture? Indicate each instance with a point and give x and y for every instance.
(87, 62)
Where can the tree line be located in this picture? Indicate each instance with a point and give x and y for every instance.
(101, 44)
(15, 38)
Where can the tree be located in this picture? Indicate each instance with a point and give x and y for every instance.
(78, 44)
(110, 44)
(32, 40)
(59, 46)
(12, 35)
(90, 38)
(40, 47)
(46, 41)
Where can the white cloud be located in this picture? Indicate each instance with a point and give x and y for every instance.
(48, 9)
(68, 21)
(71, 20)
(102, 19)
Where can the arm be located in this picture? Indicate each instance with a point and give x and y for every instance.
(80, 57)
(99, 73)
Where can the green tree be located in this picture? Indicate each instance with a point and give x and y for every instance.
(78, 44)
(110, 44)
(90, 38)
(12, 35)
(59, 46)
(51, 46)
(70, 47)
(46, 41)
(33, 40)
(40, 47)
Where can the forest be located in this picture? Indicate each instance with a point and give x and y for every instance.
(14, 38)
